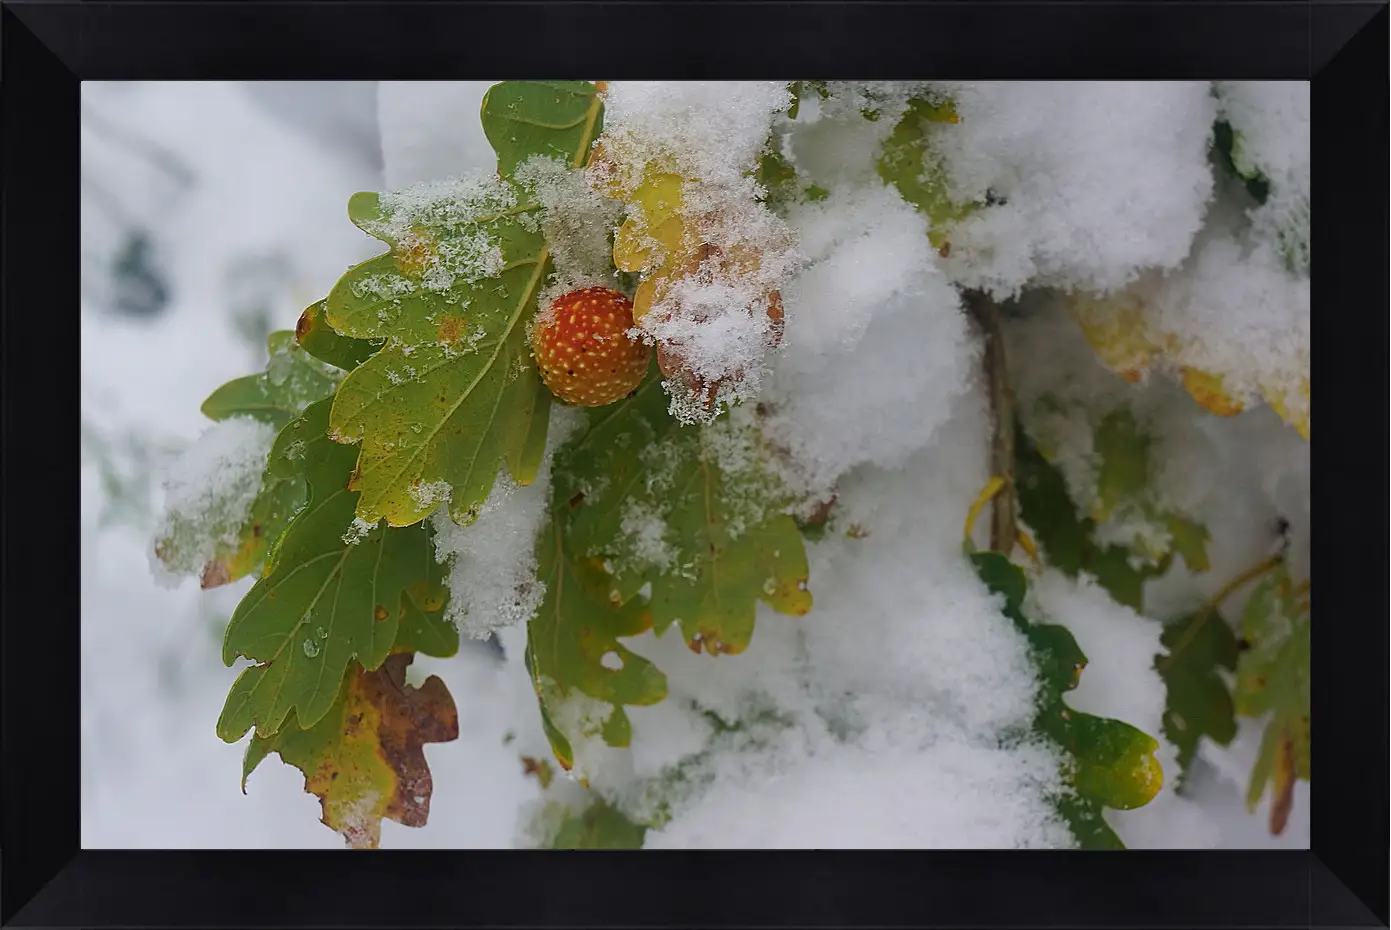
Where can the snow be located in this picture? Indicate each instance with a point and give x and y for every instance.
(890, 715)
(877, 344)
(712, 311)
(711, 131)
(1100, 180)
(577, 221)
(208, 494)
(1272, 120)
(440, 219)
(492, 562)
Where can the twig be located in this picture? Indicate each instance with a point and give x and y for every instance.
(1003, 527)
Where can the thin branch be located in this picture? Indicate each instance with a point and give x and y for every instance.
(1003, 525)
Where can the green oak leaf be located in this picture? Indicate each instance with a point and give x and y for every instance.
(454, 394)
(1226, 145)
(1110, 763)
(1189, 540)
(423, 628)
(293, 380)
(319, 339)
(905, 162)
(599, 826)
(712, 542)
(1124, 473)
(322, 601)
(572, 645)
(1197, 703)
(554, 119)
(1068, 538)
(364, 758)
(1272, 678)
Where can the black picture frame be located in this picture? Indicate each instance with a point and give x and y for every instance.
(46, 49)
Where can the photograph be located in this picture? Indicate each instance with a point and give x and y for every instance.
(585, 464)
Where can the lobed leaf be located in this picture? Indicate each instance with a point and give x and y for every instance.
(293, 379)
(1197, 703)
(572, 644)
(1111, 764)
(730, 547)
(323, 600)
(555, 119)
(1068, 539)
(454, 394)
(905, 162)
(1272, 677)
(364, 759)
(599, 826)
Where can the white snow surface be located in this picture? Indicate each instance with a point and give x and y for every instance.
(1099, 179)
(890, 715)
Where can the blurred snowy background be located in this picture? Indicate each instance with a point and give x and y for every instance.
(212, 214)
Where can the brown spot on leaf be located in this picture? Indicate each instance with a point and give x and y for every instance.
(415, 252)
(821, 513)
(215, 573)
(410, 718)
(539, 769)
(452, 329)
(1282, 783)
(304, 324)
(577, 500)
(371, 765)
(380, 613)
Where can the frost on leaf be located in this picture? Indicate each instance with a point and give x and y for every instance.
(1109, 763)
(454, 393)
(1263, 138)
(220, 512)
(364, 758)
(293, 380)
(690, 511)
(712, 256)
(1272, 678)
(1197, 702)
(642, 503)
(906, 162)
(576, 626)
(1124, 557)
(1231, 325)
(321, 602)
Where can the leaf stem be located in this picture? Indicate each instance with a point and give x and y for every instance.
(986, 495)
(1226, 591)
